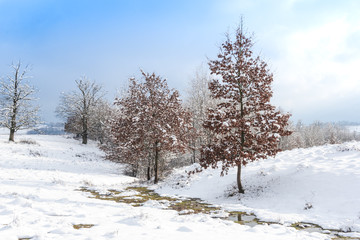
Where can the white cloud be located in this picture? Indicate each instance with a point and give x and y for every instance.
(318, 65)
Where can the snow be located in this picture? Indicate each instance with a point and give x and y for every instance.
(40, 197)
(318, 185)
(4, 131)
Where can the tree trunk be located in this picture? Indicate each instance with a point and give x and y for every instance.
(134, 170)
(149, 165)
(194, 146)
(12, 134)
(238, 178)
(13, 118)
(156, 166)
(148, 173)
(84, 138)
(85, 132)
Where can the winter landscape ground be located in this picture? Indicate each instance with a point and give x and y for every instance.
(53, 187)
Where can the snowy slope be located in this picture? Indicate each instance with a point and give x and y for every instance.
(39, 199)
(319, 185)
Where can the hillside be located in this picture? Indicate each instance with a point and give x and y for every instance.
(317, 185)
(52, 187)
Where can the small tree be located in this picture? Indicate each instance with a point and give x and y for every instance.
(79, 108)
(150, 123)
(98, 117)
(98, 122)
(246, 126)
(16, 101)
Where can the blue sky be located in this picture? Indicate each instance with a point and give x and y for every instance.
(312, 47)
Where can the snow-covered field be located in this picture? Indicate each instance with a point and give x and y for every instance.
(318, 185)
(39, 197)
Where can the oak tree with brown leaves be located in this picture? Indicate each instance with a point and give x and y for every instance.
(246, 126)
(150, 123)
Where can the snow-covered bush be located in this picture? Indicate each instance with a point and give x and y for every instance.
(28, 141)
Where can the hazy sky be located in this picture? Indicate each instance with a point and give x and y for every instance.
(312, 47)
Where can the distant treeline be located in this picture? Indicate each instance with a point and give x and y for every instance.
(318, 133)
(49, 129)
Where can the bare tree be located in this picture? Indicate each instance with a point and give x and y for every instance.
(246, 126)
(79, 108)
(17, 107)
(198, 101)
(98, 118)
(151, 123)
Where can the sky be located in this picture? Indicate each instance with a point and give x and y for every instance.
(312, 47)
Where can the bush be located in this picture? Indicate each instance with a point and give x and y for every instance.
(28, 141)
